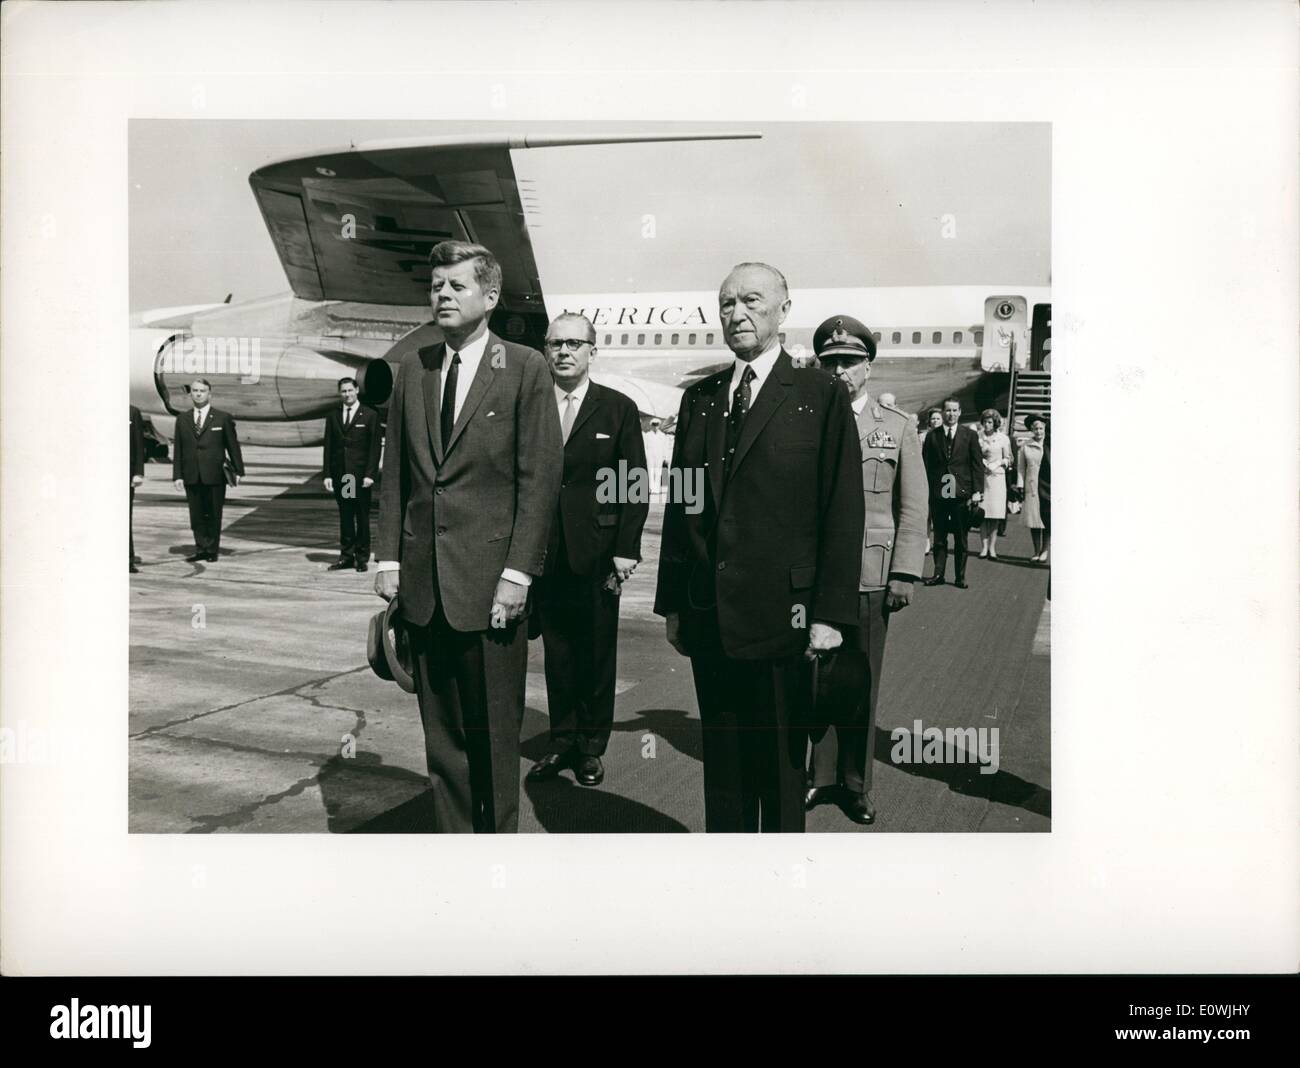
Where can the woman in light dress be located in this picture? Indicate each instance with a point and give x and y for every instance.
(1027, 465)
(996, 449)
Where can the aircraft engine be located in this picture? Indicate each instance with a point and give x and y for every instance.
(267, 378)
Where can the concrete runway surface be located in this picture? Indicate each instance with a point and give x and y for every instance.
(248, 674)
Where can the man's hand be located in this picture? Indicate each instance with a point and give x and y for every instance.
(329, 485)
(137, 480)
(386, 583)
(822, 638)
(179, 483)
(899, 595)
(367, 482)
(975, 498)
(623, 568)
(673, 628)
(507, 603)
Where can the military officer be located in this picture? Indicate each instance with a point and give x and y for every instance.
(893, 555)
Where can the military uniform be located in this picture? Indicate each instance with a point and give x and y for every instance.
(893, 546)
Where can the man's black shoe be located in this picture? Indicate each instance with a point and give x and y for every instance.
(815, 795)
(550, 766)
(341, 563)
(861, 810)
(361, 565)
(934, 580)
(197, 558)
(590, 771)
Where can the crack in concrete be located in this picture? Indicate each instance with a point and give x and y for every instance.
(288, 691)
(332, 767)
(327, 768)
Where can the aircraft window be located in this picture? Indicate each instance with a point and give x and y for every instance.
(916, 337)
(708, 339)
(956, 337)
(609, 338)
(938, 337)
(640, 339)
(676, 338)
(876, 335)
(691, 340)
(659, 339)
(895, 338)
(623, 340)
(979, 337)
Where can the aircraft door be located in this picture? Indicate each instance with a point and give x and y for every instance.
(1006, 333)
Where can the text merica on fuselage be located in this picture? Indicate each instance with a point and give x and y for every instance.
(667, 315)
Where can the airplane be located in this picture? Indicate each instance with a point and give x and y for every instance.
(353, 228)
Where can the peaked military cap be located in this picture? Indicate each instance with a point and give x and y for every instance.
(845, 337)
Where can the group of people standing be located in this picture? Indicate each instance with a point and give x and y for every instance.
(779, 586)
(809, 536)
(969, 469)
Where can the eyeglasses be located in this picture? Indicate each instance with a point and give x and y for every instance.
(569, 344)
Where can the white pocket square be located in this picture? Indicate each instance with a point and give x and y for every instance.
(599, 435)
(489, 415)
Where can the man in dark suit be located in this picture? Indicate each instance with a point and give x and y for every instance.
(352, 443)
(204, 440)
(137, 479)
(765, 574)
(954, 466)
(594, 547)
(472, 468)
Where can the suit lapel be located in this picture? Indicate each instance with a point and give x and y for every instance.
(770, 398)
(431, 358)
(716, 435)
(477, 390)
(589, 404)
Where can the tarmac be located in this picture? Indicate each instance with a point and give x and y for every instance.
(253, 708)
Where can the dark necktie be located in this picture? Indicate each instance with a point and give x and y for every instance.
(739, 409)
(951, 436)
(347, 416)
(449, 399)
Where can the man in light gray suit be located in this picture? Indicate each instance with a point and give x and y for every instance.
(472, 468)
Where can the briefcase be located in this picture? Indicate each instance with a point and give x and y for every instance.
(228, 470)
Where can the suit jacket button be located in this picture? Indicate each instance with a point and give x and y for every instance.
(442, 531)
(722, 565)
(438, 490)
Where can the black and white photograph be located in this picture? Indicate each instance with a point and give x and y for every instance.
(743, 524)
(590, 509)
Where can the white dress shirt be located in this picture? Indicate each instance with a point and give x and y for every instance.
(349, 413)
(470, 356)
(201, 415)
(579, 395)
(860, 404)
(762, 365)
